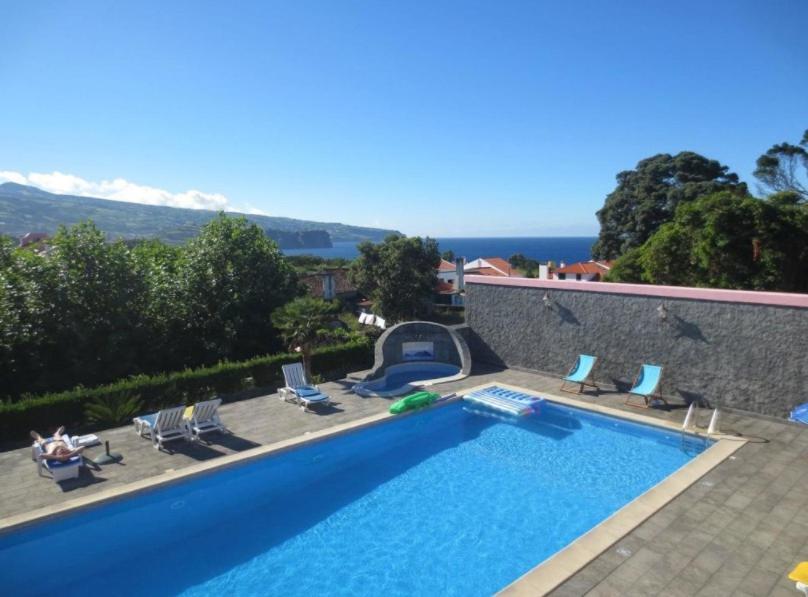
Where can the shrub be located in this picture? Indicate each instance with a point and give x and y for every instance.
(109, 411)
(46, 412)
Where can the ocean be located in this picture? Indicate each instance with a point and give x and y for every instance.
(563, 248)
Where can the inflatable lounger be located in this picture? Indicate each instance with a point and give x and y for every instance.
(508, 401)
(413, 402)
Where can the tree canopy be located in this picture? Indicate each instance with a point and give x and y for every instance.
(784, 167)
(304, 323)
(89, 311)
(647, 197)
(398, 275)
(725, 240)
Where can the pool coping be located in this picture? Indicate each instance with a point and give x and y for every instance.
(541, 579)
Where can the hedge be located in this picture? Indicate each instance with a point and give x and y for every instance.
(47, 411)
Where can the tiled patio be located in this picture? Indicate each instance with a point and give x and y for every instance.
(737, 531)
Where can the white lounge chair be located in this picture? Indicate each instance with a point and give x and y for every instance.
(381, 323)
(59, 470)
(163, 426)
(298, 390)
(203, 417)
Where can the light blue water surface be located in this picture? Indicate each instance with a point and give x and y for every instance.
(396, 379)
(444, 502)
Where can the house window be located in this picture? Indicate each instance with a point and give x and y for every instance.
(562, 276)
(450, 281)
(577, 276)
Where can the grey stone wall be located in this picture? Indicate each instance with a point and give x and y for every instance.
(449, 346)
(744, 356)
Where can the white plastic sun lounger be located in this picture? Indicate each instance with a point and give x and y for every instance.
(204, 418)
(298, 390)
(59, 470)
(163, 426)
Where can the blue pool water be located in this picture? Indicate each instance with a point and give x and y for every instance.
(444, 502)
(397, 378)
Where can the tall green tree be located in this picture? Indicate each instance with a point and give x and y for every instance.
(784, 167)
(725, 241)
(160, 267)
(232, 276)
(647, 197)
(398, 275)
(304, 324)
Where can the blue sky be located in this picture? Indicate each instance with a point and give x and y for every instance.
(441, 118)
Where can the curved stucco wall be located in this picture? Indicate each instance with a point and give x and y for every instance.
(736, 349)
(450, 347)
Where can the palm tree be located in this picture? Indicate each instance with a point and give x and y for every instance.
(303, 324)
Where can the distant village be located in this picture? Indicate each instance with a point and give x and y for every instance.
(334, 283)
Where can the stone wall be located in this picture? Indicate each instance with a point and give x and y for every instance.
(449, 346)
(720, 352)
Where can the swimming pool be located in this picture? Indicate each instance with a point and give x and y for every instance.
(406, 377)
(441, 502)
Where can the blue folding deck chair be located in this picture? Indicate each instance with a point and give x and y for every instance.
(581, 374)
(645, 386)
(800, 414)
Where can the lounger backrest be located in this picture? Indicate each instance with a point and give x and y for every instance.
(170, 418)
(370, 318)
(648, 380)
(583, 365)
(205, 411)
(363, 318)
(294, 375)
(381, 323)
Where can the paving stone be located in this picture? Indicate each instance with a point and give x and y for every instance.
(740, 529)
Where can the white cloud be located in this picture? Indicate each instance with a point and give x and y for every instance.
(8, 176)
(120, 189)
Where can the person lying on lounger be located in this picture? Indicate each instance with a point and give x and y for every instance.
(56, 448)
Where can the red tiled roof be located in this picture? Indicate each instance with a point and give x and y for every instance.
(585, 267)
(446, 266)
(486, 271)
(500, 264)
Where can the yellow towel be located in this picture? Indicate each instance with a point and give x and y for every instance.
(189, 412)
(800, 573)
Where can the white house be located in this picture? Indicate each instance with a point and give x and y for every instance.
(584, 271)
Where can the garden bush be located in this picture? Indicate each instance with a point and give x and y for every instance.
(45, 412)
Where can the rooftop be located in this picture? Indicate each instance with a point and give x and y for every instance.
(738, 530)
(446, 266)
(585, 267)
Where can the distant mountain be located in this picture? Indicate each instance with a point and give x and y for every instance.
(29, 209)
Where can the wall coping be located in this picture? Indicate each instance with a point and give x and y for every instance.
(778, 299)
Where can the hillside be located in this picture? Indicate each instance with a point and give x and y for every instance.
(29, 209)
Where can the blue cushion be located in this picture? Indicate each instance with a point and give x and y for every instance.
(306, 391)
(59, 464)
(149, 419)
